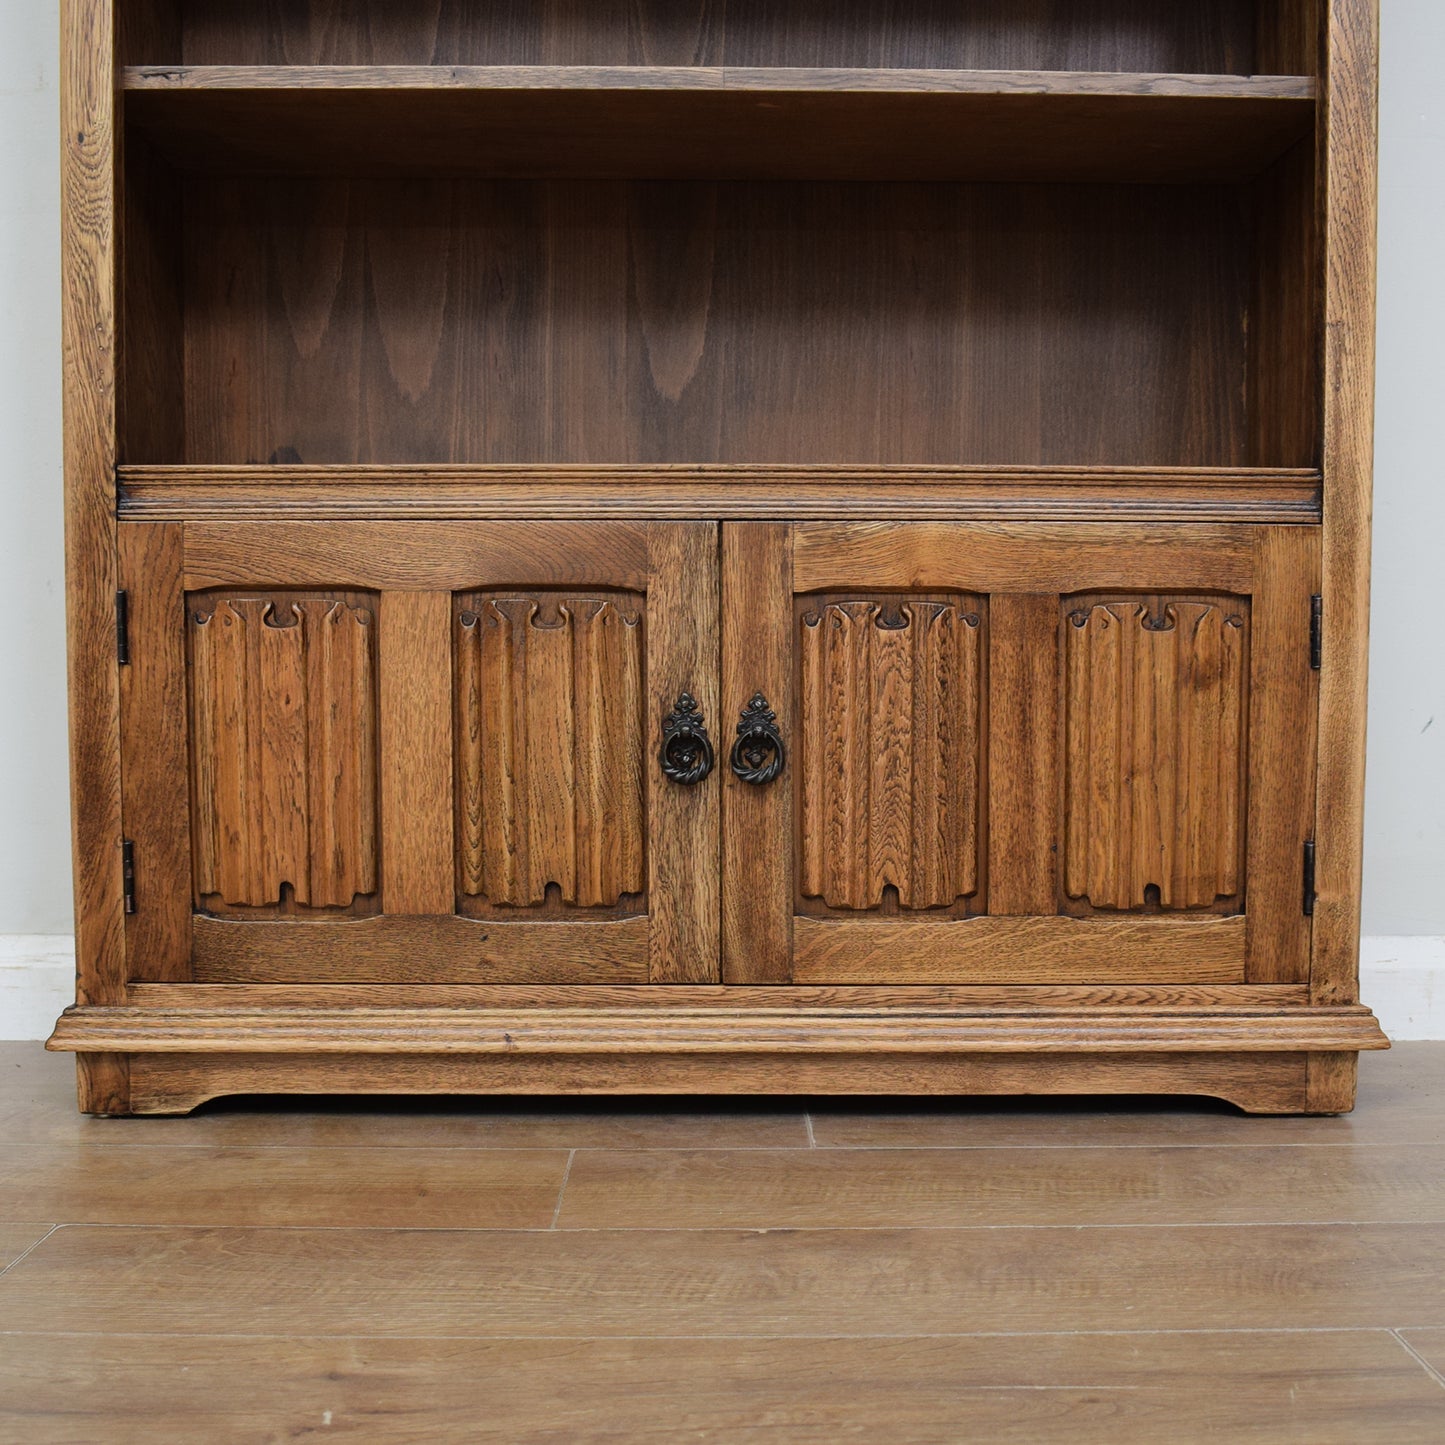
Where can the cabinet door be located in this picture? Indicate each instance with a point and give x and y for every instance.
(415, 752)
(1019, 753)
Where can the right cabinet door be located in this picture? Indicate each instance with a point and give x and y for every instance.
(1017, 753)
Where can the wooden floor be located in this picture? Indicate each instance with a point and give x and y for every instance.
(986, 1271)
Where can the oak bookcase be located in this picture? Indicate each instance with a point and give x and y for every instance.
(711, 545)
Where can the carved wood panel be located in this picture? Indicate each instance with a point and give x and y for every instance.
(283, 751)
(550, 729)
(1155, 740)
(890, 751)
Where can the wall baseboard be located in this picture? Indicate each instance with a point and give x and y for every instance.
(37, 980)
(1402, 979)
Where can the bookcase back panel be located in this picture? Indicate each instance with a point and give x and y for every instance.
(370, 321)
(1218, 37)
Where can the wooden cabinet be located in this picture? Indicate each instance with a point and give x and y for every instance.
(703, 548)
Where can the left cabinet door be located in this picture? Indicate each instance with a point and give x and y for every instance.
(416, 752)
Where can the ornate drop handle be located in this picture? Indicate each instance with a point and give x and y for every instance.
(687, 755)
(758, 755)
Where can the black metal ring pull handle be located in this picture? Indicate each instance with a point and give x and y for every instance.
(758, 755)
(687, 756)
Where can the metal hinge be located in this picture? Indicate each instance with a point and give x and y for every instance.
(1317, 632)
(127, 873)
(122, 628)
(1309, 882)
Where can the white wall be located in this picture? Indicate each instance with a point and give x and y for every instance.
(1405, 800)
(1405, 850)
(34, 843)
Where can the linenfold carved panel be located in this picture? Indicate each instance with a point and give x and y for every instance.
(1156, 708)
(551, 732)
(283, 750)
(891, 697)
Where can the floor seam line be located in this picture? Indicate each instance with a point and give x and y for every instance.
(24, 1255)
(1419, 1358)
(562, 1188)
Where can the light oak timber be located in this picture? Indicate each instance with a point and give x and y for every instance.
(1259, 1083)
(1025, 558)
(683, 823)
(1400, 1102)
(156, 778)
(1154, 762)
(1024, 700)
(436, 949)
(417, 818)
(888, 756)
(1003, 950)
(969, 998)
(87, 103)
(283, 724)
(758, 821)
(1347, 1387)
(406, 557)
(1284, 700)
(550, 722)
(37, 1107)
(721, 1284)
(1350, 109)
(721, 122)
(198, 493)
(680, 1030)
(324, 78)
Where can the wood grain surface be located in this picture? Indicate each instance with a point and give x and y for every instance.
(1119, 35)
(433, 948)
(283, 748)
(722, 123)
(641, 322)
(758, 837)
(889, 749)
(886, 1188)
(1342, 1388)
(88, 317)
(403, 1188)
(959, 493)
(550, 720)
(1352, 106)
(156, 731)
(1005, 949)
(781, 1284)
(1155, 729)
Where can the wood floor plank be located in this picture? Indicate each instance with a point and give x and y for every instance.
(662, 1284)
(949, 1188)
(37, 1105)
(1240, 1389)
(370, 1188)
(1401, 1101)
(16, 1238)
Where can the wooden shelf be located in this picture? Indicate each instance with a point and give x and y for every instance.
(1162, 494)
(720, 123)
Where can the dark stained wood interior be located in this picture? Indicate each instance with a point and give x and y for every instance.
(521, 122)
(1218, 36)
(350, 321)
